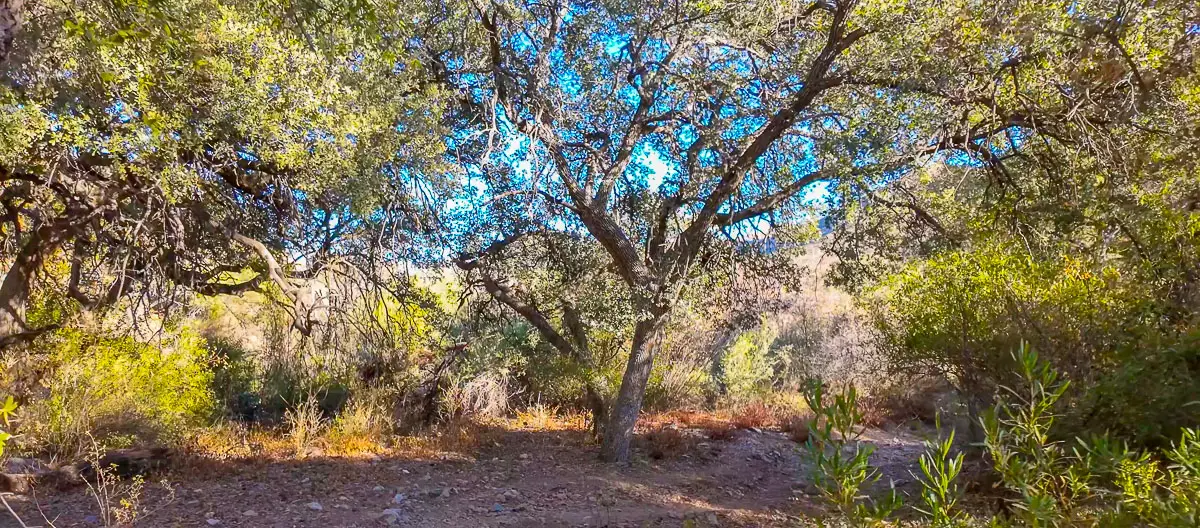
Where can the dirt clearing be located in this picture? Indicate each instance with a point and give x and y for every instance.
(520, 478)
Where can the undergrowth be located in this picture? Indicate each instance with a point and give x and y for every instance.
(1093, 482)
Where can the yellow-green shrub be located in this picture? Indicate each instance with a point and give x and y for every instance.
(747, 367)
(118, 390)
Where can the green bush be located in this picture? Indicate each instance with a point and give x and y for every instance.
(7, 410)
(747, 367)
(119, 391)
(1121, 402)
(1096, 482)
(1093, 482)
(841, 468)
(955, 315)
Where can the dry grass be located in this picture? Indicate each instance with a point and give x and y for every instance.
(360, 429)
(305, 425)
(722, 432)
(542, 417)
(897, 404)
(460, 436)
(234, 441)
(754, 415)
(351, 445)
(356, 435)
(713, 425)
(667, 442)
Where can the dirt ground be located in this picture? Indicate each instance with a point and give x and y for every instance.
(521, 478)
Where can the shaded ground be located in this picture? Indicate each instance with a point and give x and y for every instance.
(520, 479)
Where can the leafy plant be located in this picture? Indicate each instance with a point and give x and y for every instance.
(1097, 482)
(939, 491)
(1050, 479)
(7, 412)
(840, 464)
(118, 391)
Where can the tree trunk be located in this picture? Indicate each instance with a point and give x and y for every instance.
(12, 16)
(598, 406)
(14, 289)
(618, 435)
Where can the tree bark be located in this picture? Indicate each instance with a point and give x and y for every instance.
(14, 290)
(12, 17)
(618, 435)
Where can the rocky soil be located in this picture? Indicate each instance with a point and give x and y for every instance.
(523, 478)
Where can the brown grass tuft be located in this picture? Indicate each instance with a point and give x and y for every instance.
(898, 404)
(667, 442)
(719, 431)
(541, 417)
(754, 415)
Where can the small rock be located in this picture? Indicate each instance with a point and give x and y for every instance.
(497, 508)
(392, 517)
(250, 513)
(445, 493)
(379, 488)
(399, 498)
(711, 518)
(511, 494)
(524, 456)
(315, 506)
(213, 522)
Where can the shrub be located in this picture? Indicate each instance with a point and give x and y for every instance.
(358, 428)
(1093, 482)
(666, 442)
(840, 464)
(896, 403)
(119, 391)
(1107, 325)
(754, 415)
(939, 490)
(7, 410)
(486, 395)
(747, 367)
(305, 424)
(234, 379)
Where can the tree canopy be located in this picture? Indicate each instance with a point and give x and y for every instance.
(152, 145)
(658, 129)
(632, 149)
